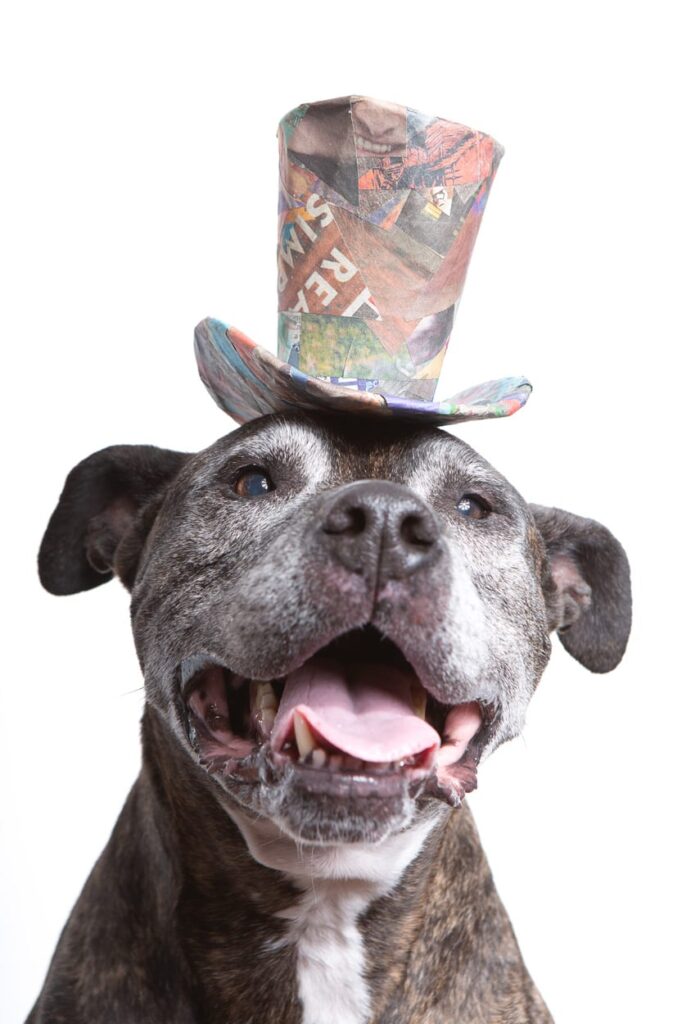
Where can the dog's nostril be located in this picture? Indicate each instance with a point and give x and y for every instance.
(380, 529)
(350, 520)
(417, 532)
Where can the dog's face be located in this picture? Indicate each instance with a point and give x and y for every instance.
(337, 619)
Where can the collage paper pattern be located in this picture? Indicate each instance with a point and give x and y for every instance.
(379, 209)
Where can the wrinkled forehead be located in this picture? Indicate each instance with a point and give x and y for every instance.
(339, 450)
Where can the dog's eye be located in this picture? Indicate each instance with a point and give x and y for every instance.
(252, 482)
(472, 507)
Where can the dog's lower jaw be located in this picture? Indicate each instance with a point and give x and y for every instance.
(312, 817)
(338, 750)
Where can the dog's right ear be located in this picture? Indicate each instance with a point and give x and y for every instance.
(105, 511)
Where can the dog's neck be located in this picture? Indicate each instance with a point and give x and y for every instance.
(337, 885)
(276, 931)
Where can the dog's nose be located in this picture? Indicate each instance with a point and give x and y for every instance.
(379, 528)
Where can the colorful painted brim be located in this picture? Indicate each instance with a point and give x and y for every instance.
(247, 381)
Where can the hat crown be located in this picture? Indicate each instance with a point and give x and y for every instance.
(380, 206)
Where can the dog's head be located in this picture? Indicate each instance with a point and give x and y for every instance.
(337, 619)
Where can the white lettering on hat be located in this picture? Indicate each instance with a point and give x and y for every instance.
(301, 306)
(316, 208)
(291, 245)
(306, 228)
(341, 266)
(363, 299)
(322, 288)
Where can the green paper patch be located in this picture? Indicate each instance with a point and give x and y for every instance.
(369, 359)
(326, 342)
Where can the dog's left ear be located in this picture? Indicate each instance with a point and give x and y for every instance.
(103, 516)
(586, 586)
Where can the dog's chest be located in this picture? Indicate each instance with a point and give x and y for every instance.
(323, 941)
(330, 952)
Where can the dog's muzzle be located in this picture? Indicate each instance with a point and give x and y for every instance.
(350, 723)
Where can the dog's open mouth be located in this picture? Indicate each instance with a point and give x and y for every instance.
(356, 709)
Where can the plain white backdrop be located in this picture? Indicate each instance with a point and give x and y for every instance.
(139, 195)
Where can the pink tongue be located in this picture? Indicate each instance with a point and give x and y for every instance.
(365, 710)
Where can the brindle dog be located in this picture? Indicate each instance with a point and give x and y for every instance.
(306, 591)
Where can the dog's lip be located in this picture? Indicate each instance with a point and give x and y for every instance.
(253, 758)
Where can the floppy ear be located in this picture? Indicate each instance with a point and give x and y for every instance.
(104, 513)
(587, 587)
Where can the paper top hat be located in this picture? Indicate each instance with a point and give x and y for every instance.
(378, 214)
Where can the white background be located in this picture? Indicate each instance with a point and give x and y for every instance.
(139, 195)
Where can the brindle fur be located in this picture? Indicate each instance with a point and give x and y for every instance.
(178, 923)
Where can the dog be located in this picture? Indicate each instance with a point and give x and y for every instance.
(336, 620)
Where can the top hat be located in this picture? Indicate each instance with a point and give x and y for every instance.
(378, 214)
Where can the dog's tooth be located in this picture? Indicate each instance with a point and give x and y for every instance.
(319, 757)
(304, 737)
(352, 762)
(267, 720)
(335, 761)
(265, 696)
(419, 700)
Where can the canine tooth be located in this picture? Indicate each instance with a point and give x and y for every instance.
(419, 701)
(319, 757)
(304, 737)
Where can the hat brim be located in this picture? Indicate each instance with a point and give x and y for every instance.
(247, 381)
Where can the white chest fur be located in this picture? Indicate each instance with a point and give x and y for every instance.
(330, 952)
(338, 883)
